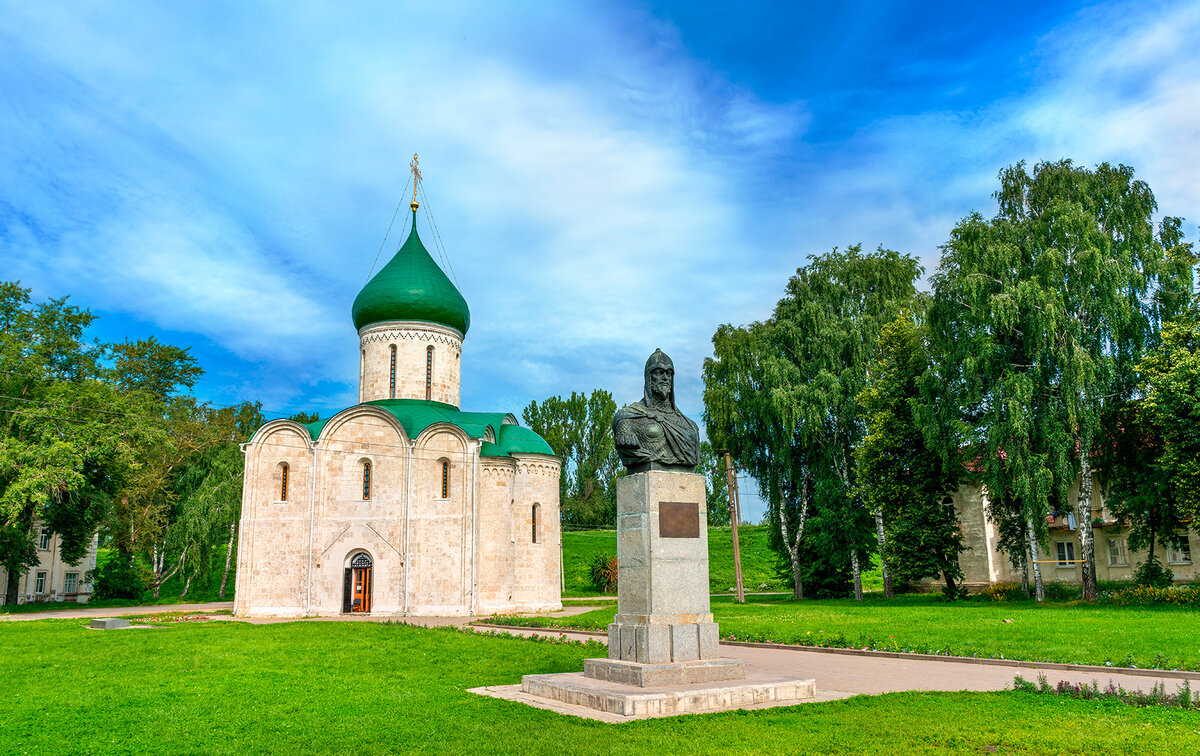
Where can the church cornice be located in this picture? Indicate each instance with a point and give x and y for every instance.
(411, 330)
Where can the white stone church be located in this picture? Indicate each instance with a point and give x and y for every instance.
(403, 504)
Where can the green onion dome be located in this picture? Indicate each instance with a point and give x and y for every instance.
(411, 287)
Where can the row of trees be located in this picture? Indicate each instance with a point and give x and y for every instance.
(1060, 335)
(105, 437)
(579, 429)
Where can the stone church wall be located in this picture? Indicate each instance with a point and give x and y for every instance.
(536, 577)
(440, 527)
(496, 534)
(273, 544)
(412, 340)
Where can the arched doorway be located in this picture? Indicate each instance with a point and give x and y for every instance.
(356, 596)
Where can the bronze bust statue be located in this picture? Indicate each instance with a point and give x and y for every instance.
(653, 434)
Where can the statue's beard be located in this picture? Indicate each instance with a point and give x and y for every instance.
(660, 395)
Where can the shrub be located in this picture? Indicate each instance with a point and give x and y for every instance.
(1001, 592)
(1062, 591)
(118, 578)
(1148, 595)
(603, 570)
(1153, 573)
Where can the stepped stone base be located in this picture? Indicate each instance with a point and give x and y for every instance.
(631, 701)
(671, 673)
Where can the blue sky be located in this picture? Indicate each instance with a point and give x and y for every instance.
(607, 178)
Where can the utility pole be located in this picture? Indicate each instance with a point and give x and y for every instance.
(734, 516)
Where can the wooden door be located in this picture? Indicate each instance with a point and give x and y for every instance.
(361, 601)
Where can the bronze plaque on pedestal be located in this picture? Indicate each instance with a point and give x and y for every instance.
(678, 519)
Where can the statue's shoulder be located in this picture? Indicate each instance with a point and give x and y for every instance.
(629, 412)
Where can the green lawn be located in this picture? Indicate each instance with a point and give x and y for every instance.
(758, 561)
(1073, 632)
(322, 687)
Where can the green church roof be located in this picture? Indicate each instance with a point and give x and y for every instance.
(411, 287)
(417, 414)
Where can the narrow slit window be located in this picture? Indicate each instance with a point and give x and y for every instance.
(392, 375)
(429, 372)
(533, 523)
(366, 480)
(283, 481)
(445, 480)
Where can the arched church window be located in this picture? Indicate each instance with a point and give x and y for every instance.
(361, 561)
(283, 481)
(429, 372)
(533, 521)
(366, 480)
(392, 376)
(445, 479)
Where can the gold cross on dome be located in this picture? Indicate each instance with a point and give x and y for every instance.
(416, 175)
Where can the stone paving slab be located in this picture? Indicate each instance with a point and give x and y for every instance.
(514, 693)
(83, 611)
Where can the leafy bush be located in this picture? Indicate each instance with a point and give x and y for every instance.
(603, 569)
(1153, 573)
(1062, 591)
(118, 578)
(1148, 595)
(1001, 592)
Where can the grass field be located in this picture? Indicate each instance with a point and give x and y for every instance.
(320, 687)
(1164, 637)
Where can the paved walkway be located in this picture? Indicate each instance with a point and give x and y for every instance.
(83, 611)
(858, 674)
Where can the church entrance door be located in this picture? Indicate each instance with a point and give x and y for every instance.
(358, 585)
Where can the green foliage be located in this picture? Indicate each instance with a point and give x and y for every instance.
(782, 397)
(716, 484)
(603, 570)
(1153, 573)
(900, 473)
(579, 430)
(119, 577)
(1152, 595)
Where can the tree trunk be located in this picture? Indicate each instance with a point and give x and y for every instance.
(793, 549)
(187, 584)
(951, 588)
(1025, 573)
(1083, 510)
(1038, 589)
(10, 590)
(856, 571)
(889, 590)
(228, 558)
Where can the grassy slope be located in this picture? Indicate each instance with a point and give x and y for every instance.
(758, 561)
(1072, 633)
(321, 687)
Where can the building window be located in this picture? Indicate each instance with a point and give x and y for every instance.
(1117, 554)
(445, 479)
(1179, 551)
(44, 540)
(366, 480)
(392, 377)
(39, 583)
(1066, 553)
(429, 372)
(71, 582)
(533, 522)
(283, 481)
